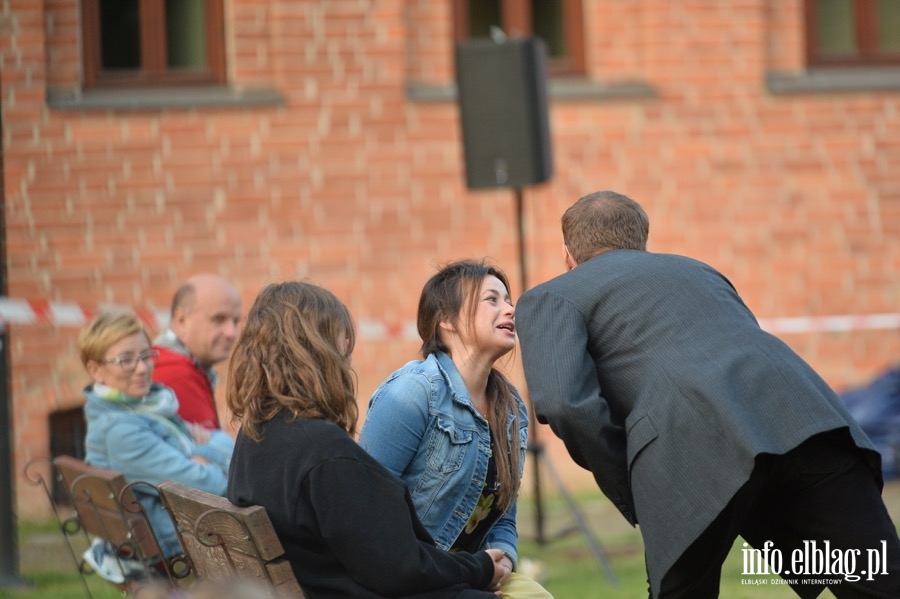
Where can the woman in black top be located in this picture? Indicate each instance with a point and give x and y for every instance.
(347, 525)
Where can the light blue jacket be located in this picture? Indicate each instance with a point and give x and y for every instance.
(422, 426)
(143, 448)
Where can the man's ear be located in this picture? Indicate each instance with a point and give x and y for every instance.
(568, 259)
(179, 316)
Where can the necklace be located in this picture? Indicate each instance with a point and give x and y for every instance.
(483, 413)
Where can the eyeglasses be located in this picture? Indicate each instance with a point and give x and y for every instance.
(128, 362)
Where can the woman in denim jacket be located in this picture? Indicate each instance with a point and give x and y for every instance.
(133, 428)
(451, 425)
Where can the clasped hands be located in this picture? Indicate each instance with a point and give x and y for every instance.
(503, 567)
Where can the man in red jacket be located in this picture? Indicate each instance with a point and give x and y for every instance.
(206, 311)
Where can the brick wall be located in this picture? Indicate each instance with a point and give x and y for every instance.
(796, 198)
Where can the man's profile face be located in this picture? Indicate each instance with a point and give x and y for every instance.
(208, 325)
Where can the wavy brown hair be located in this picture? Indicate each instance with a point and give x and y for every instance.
(293, 354)
(452, 291)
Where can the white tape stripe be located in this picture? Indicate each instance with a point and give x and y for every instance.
(843, 323)
(16, 312)
(375, 329)
(370, 329)
(67, 314)
(162, 318)
(410, 330)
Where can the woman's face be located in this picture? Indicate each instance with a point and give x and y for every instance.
(127, 366)
(493, 325)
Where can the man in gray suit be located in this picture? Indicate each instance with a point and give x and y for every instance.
(698, 425)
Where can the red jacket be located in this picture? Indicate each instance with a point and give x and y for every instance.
(192, 387)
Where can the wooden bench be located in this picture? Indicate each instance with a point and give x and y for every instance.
(224, 541)
(105, 506)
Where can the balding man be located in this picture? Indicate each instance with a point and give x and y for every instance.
(206, 311)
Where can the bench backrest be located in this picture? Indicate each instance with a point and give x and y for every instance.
(225, 541)
(107, 507)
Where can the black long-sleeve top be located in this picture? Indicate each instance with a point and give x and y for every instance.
(348, 526)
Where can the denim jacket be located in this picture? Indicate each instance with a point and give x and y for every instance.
(422, 426)
(143, 448)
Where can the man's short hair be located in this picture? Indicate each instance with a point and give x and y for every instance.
(183, 298)
(602, 221)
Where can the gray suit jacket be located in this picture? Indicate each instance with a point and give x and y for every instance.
(659, 380)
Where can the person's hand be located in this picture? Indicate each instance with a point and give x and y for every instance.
(506, 565)
(199, 433)
(502, 569)
(506, 562)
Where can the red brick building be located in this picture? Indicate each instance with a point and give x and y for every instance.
(320, 139)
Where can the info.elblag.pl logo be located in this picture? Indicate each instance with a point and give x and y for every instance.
(815, 559)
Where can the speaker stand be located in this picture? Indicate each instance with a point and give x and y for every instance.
(536, 449)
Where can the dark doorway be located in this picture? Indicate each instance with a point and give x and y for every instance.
(67, 429)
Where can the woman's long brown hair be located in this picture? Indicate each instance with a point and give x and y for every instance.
(293, 354)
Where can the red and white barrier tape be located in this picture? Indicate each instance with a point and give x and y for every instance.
(831, 324)
(70, 314)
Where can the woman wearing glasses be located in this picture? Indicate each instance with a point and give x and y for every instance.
(133, 428)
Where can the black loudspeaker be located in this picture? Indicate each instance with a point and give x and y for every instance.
(503, 106)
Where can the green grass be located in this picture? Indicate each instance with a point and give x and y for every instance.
(48, 570)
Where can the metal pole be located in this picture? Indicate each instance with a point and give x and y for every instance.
(9, 546)
(9, 550)
(535, 449)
